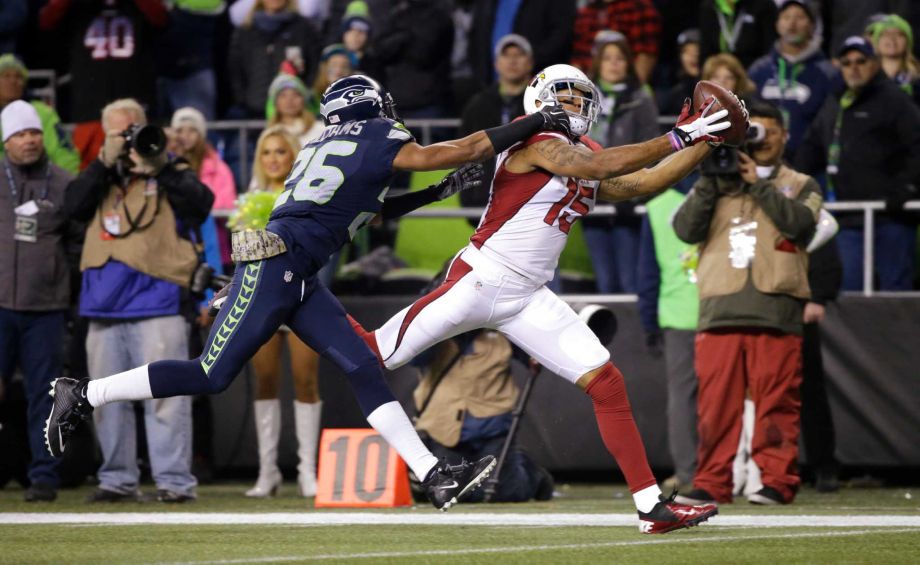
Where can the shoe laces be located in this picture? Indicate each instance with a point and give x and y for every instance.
(670, 498)
(73, 417)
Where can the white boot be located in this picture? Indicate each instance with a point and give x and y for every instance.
(268, 431)
(306, 419)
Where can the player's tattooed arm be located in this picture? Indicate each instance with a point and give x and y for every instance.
(562, 154)
(620, 188)
(561, 158)
(649, 181)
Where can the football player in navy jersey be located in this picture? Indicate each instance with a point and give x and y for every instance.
(337, 185)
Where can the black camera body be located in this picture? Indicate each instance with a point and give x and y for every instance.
(723, 162)
(205, 277)
(149, 141)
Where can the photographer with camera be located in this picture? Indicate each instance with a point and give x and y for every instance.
(753, 217)
(138, 262)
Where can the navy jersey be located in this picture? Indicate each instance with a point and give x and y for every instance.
(336, 186)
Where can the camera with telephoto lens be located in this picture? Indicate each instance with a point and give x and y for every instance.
(723, 162)
(205, 278)
(149, 141)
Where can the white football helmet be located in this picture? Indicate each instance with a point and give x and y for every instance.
(544, 88)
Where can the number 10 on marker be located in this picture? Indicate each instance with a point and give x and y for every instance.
(357, 468)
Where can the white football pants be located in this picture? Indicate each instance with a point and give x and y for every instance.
(481, 293)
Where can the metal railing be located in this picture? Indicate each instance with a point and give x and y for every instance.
(869, 208)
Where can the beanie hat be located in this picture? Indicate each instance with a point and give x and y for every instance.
(688, 36)
(282, 82)
(357, 16)
(191, 117)
(856, 43)
(18, 116)
(803, 4)
(9, 61)
(356, 22)
(357, 8)
(888, 21)
(338, 49)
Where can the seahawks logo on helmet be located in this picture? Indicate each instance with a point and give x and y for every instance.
(356, 97)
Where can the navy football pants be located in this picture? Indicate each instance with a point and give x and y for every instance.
(264, 295)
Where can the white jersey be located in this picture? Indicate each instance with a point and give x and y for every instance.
(527, 221)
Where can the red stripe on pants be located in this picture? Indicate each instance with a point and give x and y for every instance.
(768, 365)
(367, 336)
(617, 427)
(458, 269)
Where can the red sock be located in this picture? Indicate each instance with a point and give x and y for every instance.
(617, 427)
(367, 336)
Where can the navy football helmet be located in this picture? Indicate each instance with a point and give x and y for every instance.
(356, 97)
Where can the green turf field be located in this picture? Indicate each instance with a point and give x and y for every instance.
(587, 524)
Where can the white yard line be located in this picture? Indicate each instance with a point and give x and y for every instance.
(436, 519)
(531, 548)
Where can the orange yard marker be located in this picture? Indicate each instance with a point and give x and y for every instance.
(359, 469)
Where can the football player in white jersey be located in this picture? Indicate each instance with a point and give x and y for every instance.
(541, 187)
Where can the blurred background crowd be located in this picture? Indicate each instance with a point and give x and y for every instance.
(236, 85)
(217, 73)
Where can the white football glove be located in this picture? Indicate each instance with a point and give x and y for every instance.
(694, 128)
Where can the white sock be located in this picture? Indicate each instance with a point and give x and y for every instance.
(391, 421)
(647, 498)
(129, 385)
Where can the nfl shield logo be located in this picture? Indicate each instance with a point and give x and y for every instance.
(288, 276)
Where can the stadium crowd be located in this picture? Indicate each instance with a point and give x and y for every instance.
(843, 75)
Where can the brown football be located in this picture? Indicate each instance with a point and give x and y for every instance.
(724, 99)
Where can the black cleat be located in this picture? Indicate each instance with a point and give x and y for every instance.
(767, 496)
(669, 515)
(69, 409)
(102, 495)
(447, 485)
(695, 497)
(39, 492)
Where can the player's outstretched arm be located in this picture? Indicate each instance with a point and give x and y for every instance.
(561, 158)
(480, 145)
(649, 181)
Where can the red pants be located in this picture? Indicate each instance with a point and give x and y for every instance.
(769, 366)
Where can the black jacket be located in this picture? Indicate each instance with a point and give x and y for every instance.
(672, 103)
(190, 199)
(549, 26)
(414, 53)
(109, 62)
(756, 33)
(879, 145)
(487, 109)
(34, 276)
(255, 58)
(825, 273)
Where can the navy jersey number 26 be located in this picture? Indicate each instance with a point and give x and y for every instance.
(336, 186)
